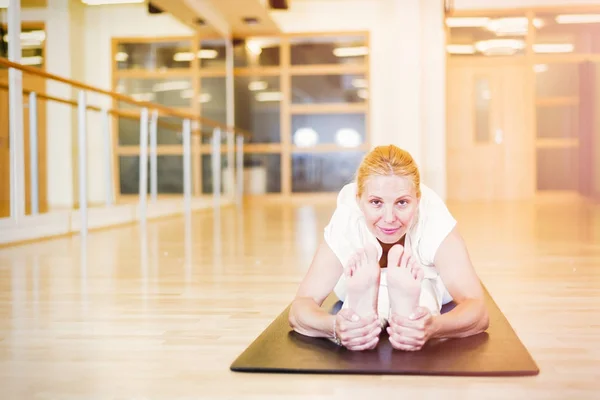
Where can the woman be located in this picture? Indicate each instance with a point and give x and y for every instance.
(393, 255)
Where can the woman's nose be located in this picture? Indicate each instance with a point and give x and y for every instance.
(388, 214)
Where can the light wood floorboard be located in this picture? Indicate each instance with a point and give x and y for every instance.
(161, 313)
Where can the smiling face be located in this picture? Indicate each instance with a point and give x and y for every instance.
(389, 204)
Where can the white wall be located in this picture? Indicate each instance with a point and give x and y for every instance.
(407, 74)
(508, 4)
(407, 69)
(78, 46)
(102, 23)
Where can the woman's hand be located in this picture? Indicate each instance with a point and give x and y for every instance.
(411, 333)
(357, 333)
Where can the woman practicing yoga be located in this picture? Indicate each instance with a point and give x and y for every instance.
(393, 255)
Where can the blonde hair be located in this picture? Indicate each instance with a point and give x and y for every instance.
(386, 161)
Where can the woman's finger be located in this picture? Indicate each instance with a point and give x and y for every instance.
(403, 346)
(367, 337)
(367, 346)
(361, 331)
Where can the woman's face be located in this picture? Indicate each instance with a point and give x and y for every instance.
(389, 204)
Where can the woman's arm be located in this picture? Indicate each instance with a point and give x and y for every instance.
(470, 316)
(306, 315)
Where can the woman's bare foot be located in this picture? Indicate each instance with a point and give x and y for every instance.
(363, 275)
(404, 282)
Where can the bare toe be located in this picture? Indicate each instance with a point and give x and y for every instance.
(371, 253)
(394, 255)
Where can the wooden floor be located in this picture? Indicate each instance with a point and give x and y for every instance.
(161, 313)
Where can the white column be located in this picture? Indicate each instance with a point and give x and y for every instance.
(33, 153)
(15, 100)
(433, 104)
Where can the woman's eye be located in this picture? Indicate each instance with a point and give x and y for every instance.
(375, 202)
(403, 203)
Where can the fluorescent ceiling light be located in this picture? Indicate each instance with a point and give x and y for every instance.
(172, 85)
(467, 22)
(306, 137)
(187, 93)
(578, 19)
(204, 98)
(109, 2)
(254, 47)
(207, 53)
(183, 56)
(499, 46)
(359, 83)
(255, 86)
(512, 26)
(33, 60)
(553, 48)
(363, 93)
(143, 96)
(351, 51)
(347, 137)
(460, 49)
(121, 56)
(269, 96)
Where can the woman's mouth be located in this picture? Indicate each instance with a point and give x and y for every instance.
(388, 231)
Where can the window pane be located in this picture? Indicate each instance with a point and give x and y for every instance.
(255, 52)
(32, 46)
(483, 96)
(324, 172)
(168, 131)
(169, 171)
(174, 92)
(557, 169)
(494, 36)
(262, 173)
(257, 107)
(152, 56)
(328, 50)
(345, 130)
(557, 80)
(213, 99)
(207, 177)
(212, 54)
(329, 89)
(557, 122)
(557, 35)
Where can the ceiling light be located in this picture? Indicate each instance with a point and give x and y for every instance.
(578, 19)
(351, 51)
(269, 96)
(306, 137)
(499, 46)
(539, 68)
(254, 47)
(187, 93)
(204, 98)
(121, 56)
(207, 53)
(553, 48)
(467, 22)
(460, 49)
(347, 137)
(183, 56)
(110, 2)
(512, 26)
(255, 86)
(359, 83)
(171, 85)
(363, 94)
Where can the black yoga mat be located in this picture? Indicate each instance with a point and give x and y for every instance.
(496, 352)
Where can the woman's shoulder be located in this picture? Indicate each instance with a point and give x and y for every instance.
(435, 222)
